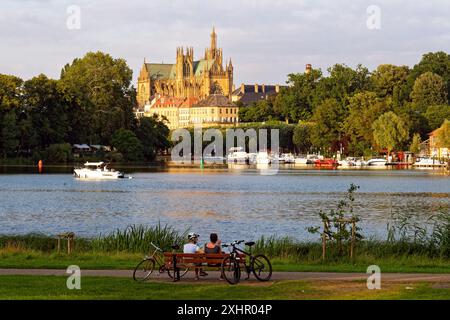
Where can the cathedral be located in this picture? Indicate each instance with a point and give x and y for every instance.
(187, 78)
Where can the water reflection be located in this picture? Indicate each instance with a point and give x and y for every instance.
(237, 204)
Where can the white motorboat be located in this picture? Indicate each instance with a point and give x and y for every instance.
(288, 158)
(97, 171)
(376, 162)
(237, 155)
(428, 162)
(262, 158)
(301, 161)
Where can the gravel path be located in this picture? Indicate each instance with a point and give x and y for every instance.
(214, 275)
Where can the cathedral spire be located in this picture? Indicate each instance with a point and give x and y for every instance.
(213, 39)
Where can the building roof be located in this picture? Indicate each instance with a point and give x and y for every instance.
(215, 100)
(165, 71)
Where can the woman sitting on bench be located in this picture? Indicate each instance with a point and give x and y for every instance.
(214, 247)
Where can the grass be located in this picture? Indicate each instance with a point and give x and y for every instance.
(95, 288)
(123, 249)
(24, 259)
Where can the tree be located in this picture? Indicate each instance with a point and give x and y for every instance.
(301, 137)
(47, 110)
(389, 131)
(436, 115)
(9, 134)
(153, 135)
(443, 135)
(388, 78)
(435, 62)
(257, 112)
(342, 83)
(98, 88)
(364, 108)
(415, 144)
(126, 142)
(327, 129)
(10, 92)
(295, 102)
(429, 89)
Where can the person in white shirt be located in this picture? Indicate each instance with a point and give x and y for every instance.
(192, 247)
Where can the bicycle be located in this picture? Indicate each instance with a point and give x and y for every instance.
(259, 265)
(145, 268)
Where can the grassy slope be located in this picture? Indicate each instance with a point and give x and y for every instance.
(52, 287)
(35, 259)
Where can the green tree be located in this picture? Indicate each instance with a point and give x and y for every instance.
(436, 115)
(48, 112)
(443, 135)
(257, 112)
(301, 137)
(10, 92)
(58, 153)
(388, 78)
(153, 135)
(295, 102)
(126, 142)
(327, 130)
(389, 131)
(415, 144)
(9, 134)
(342, 83)
(98, 88)
(429, 89)
(364, 108)
(435, 62)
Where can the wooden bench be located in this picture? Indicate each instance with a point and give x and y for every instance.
(177, 261)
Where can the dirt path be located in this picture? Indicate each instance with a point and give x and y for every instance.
(214, 275)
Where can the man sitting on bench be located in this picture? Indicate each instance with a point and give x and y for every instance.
(192, 247)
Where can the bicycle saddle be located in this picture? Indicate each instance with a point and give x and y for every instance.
(250, 243)
(175, 247)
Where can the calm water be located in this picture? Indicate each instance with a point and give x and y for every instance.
(235, 203)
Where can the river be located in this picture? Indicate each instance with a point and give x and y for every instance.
(236, 203)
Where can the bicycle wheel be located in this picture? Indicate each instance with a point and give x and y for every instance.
(144, 269)
(262, 269)
(183, 271)
(230, 270)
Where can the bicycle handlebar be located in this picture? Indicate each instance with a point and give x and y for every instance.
(232, 244)
(156, 247)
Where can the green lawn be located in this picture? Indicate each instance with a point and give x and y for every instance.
(54, 287)
(36, 259)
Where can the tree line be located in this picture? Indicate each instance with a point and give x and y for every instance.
(362, 112)
(92, 102)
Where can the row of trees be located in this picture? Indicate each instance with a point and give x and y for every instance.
(92, 103)
(361, 111)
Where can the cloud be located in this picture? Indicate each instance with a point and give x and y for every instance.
(266, 39)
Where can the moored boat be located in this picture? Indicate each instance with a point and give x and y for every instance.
(97, 171)
(376, 162)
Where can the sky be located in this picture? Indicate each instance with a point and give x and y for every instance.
(266, 40)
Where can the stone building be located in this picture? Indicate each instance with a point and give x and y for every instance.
(187, 78)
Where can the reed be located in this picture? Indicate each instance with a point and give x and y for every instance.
(138, 239)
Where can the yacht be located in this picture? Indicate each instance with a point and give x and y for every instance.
(97, 170)
(376, 162)
(288, 158)
(237, 155)
(428, 162)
